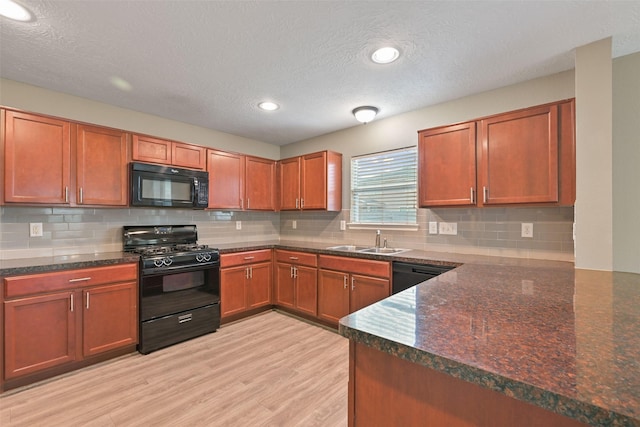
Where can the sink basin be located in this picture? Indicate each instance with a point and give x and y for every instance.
(350, 248)
(383, 251)
(367, 250)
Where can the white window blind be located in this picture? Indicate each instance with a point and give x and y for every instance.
(383, 187)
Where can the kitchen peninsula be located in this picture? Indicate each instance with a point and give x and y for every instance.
(494, 346)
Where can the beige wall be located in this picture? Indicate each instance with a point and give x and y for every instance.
(626, 161)
(594, 163)
(38, 100)
(401, 130)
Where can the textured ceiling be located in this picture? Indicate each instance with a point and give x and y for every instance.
(209, 63)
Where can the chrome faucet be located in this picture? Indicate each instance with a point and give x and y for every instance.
(378, 239)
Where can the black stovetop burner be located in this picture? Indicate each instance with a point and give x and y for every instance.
(167, 247)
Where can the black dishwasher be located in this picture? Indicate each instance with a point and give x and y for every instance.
(406, 275)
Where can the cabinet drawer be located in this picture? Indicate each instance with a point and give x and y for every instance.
(70, 279)
(298, 258)
(239, 258)
(358, 266)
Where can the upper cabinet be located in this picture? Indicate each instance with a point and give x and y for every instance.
(155, 150)
(526, 157)
(101, 164)
(240, 182)
(53, 161)
(311, 182)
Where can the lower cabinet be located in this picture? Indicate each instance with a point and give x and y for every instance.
(346, 285)
(296, 284)
(245, 281)
(56, 319)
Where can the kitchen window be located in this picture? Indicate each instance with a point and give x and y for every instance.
(383, 188)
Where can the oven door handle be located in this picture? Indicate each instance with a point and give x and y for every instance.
(185, 318)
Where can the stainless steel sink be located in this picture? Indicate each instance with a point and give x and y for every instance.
(367, 250)
(348, 248)
(383, 251)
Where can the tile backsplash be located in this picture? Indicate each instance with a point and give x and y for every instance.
(480, 231)
(486, 231)
(69, 231)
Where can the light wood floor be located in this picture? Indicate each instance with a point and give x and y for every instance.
(269, 370)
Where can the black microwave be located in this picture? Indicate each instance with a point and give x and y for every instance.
(167, 186)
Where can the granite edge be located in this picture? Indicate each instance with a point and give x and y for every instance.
(564, 405)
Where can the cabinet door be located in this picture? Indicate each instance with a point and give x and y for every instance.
(366, 290)
(307, 290)
(314, 181)
(188, 156)
(226, 180)
(233, 299)
(285, 296)
(290, 184)
(101, 162)
(39, 333)
(259, 285)
(447, 166)
(37, 159)
(260, 183)
(148, 149)
(519, 161)
(109, 317)
(333, 295)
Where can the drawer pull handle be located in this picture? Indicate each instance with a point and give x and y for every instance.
(185, 318)
(81, 279)
(294, 257)
(249, 257)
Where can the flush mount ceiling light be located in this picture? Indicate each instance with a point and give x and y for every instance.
(13, 10)
(365, 114)
(268, 106)
(385, 55)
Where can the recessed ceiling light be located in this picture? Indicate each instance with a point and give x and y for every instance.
(385, 55)
(121, 83)
(268, 106)
(13, 10)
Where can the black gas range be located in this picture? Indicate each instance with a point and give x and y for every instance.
(179, 284)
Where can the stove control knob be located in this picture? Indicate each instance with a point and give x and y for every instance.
(199, 257)
(158, 262)
(167, 261)
(207, 256)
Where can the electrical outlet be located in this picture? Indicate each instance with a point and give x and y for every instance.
(527, 229)
(433, 227)
(448, 228)
(343, 225)
(294, 224)
(238, 225)
(35, 229)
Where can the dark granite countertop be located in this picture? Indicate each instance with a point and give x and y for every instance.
(563, 339)
(15, 267)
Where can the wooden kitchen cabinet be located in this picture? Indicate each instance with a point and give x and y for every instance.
(156, 150)
(37, 159)
(311, 182)
(346, 285)
(226, 179)
(240, 182)
(447, 165)
(101, 165)
(56, 322)
(525, 157)
(260, 180)
(245, 281)
(296, 284)
(39, 333)
(52, 161)
(109, 318)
